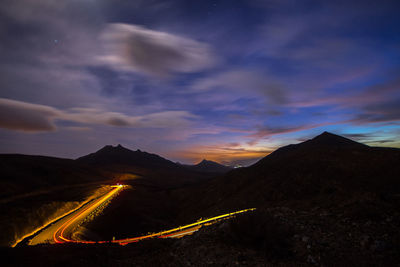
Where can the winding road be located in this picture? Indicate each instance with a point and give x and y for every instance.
(62, 231)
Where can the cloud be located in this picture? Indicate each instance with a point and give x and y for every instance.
(163, 119)
(376, 103)
(267, 131)
(374, 138)
(23, 116)
(243, 81)
(357, 136)
(135, 48)
(380, 112)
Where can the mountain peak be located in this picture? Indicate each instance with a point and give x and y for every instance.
(324, 142)
(209, 166)
(111, 148)
(330, 139)
(111, 155)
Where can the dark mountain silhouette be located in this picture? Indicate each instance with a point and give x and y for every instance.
(156, 170)
(328, 168)
(325, 141)
(119, 155)
(337, 197)
(209, 166)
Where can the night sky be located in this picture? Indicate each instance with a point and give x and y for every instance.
(224, 80)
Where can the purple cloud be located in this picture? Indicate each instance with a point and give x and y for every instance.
(135, 48)
(244, 83)
(23, 116)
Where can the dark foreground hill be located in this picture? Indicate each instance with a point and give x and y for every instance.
(36, 189)
(22, 174)
(340, 200)
(326, 169)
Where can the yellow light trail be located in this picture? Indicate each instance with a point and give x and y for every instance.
(163, 233)
(58, 235)
(50, 222)
(175, 232)
(68, 223)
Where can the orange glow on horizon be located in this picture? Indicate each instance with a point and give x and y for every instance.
(221, 154)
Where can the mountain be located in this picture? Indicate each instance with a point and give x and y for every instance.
(209, 166)
(328, 169)
(333, 196)
(156, 170)
(326, 142)
(119, 155)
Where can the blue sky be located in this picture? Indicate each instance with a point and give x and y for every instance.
(225, 80)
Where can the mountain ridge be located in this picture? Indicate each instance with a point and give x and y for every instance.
(119, 155)
(327, 167)
(209, 166)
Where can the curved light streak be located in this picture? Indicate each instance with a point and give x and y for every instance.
(59, 237)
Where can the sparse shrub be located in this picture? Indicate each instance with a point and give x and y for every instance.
(261, 231)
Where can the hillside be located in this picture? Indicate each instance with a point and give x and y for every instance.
(328, 167)
(21, 174)
(339, 200)
(326, 201)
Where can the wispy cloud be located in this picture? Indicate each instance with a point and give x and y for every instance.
(135, 48)
(23, 116)
(243, 82)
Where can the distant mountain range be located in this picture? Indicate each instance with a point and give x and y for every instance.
(25, 173)
(209, 166)
(119, 155)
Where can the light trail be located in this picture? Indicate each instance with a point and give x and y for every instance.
(177, 232)
(71, 223)
(85, 212)
(183, 233)
(34, 232)
(163, 234)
